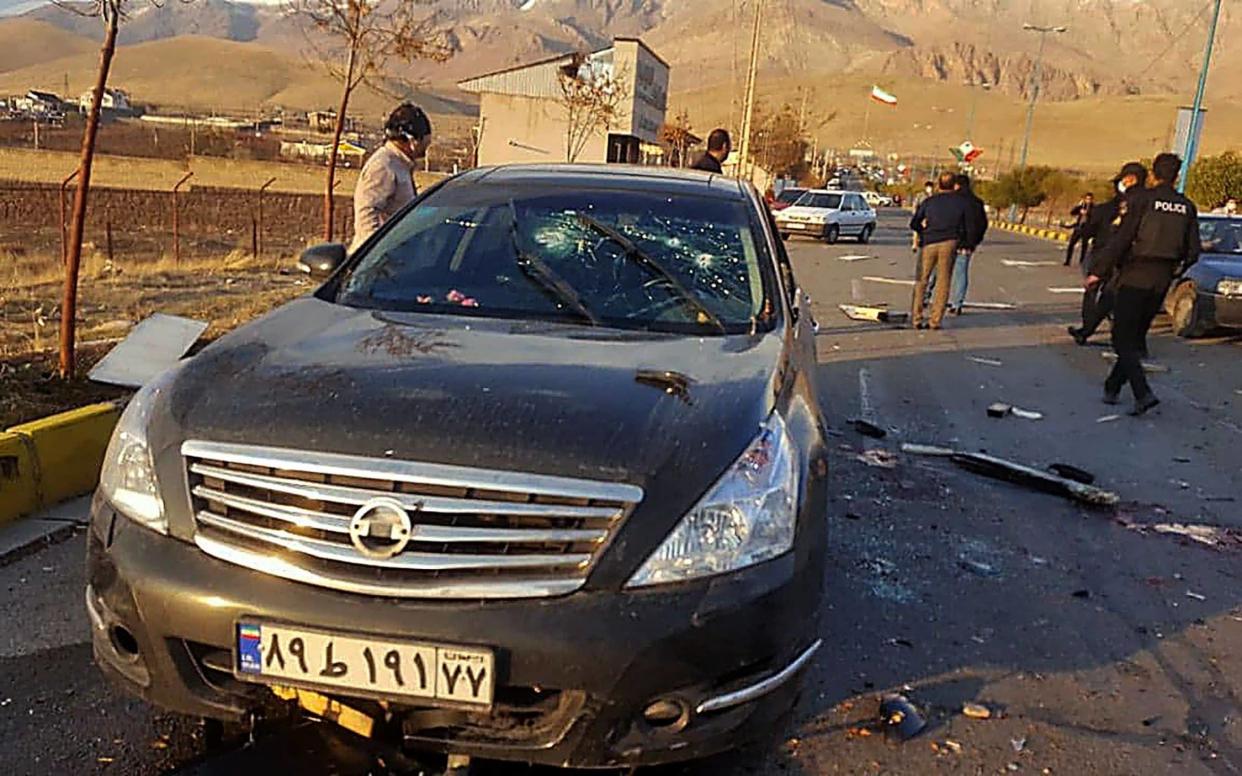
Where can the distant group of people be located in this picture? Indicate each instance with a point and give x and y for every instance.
(949, 224)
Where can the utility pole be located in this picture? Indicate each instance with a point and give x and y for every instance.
(1035, 79)
(1196, 113)
(748, 107)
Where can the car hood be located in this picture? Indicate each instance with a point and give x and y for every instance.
(800, 210)
(1220, 265)
(516, 395)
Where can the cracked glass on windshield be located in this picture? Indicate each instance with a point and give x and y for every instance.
(624, 259)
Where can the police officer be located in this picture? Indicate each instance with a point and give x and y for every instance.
(1097, 303)
(1158, 237)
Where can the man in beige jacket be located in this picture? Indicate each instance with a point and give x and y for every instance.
(386, 183)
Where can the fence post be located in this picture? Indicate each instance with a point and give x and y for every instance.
(254, 237)
(176, 218)
(64, 237)
(258, 230)
(108, 241)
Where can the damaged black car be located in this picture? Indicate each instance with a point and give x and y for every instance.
(537, 474)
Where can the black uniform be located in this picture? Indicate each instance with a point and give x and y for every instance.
(708, 163)
(1158, 237)
(1097, 303)
(1082, 232)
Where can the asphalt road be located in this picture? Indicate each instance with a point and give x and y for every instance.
(1098, 647)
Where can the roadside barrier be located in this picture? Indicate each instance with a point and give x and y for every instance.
(53, 459)
(1056, 235)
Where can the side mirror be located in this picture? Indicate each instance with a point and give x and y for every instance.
(320, 261)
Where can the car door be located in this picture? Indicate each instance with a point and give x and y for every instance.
(863, 214)
(846, 218)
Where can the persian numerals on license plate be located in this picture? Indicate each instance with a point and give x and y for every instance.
(443, 672)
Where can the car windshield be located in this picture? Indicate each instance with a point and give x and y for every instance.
(1221, 235)
(790, 195)
(626, 259)
(822, 201)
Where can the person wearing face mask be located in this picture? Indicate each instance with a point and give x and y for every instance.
(1158, 237)
(386, 183)
(1097, 304)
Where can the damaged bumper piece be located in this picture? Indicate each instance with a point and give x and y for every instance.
(601, 679)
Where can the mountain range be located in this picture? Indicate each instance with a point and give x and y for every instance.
(227, 53)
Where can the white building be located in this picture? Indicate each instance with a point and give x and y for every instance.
(523, 116)
(113, 99)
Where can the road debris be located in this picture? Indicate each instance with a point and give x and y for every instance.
(999, 410)
(953, 746)
(999, 468)
(933, 450)
(897, 712)
(1072, 473)
(1027, 414)
(1084, 593)
(872, 314)
(890, 281)
(1214, 536)
(976, 711)
(155, 344)
(1107, 418)
(990, 305)
(1066, 290)
(868, 429)
(1196, 596)
(856, 257)
(1022, 263)
(979, 567)
(985, 361)
(883, 459)
(1148, 366)
(1018, 744)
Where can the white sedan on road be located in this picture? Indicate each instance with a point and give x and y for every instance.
(828, 214)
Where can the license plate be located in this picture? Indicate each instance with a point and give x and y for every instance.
(452, 674)
(793, 225)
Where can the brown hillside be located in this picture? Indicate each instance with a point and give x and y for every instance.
(26, 42)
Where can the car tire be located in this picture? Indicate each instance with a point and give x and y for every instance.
(785, 236)
(831, 233)
(864, 236)
(1184, 310)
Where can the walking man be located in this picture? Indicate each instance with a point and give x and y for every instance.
(386, 183)
(1157, 238)
(976, 228)
(1097, 303)
(939, 225)
(1082, 229)
(719, 146)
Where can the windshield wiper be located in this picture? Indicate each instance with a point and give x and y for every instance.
(636, 254)
(544, 276)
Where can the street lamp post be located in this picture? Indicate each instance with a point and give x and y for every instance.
(1035, 79)
(1196, 113)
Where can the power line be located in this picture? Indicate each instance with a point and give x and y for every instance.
(1176, 39)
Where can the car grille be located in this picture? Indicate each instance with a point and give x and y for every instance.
(472, 533)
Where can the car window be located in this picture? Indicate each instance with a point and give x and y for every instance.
(790, 195)
(822, 201)
(1221, 235)
(847, 203)
(538, 252)
(859, 203)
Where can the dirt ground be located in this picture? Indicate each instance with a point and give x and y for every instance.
(226, 291)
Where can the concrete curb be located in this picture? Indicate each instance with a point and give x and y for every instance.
(1056, 235)
(53, 459)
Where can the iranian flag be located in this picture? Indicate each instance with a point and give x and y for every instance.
(879, 95)
(966, 152)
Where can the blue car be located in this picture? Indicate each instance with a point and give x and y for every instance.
(1209, 294)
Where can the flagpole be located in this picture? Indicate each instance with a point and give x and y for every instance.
(867, 122)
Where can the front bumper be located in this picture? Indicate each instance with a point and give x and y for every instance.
(1221, 310)
(801, 227)
(574, 673)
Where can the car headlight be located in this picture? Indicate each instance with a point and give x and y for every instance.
(127, 479)
(1230, 287)
(748, 516)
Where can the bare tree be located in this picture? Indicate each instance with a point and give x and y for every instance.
(110, 13)
(677, 135)
(590, 96)
(357, 40)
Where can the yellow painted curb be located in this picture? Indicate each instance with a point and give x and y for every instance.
(63, 456)
(18, 479)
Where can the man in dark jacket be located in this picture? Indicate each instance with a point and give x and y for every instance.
(1081, 232)
(1158, 238)
(940, 226)
(1097, 303)
(718, 148)
(976, 228)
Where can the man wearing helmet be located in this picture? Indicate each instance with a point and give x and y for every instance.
(386, 183)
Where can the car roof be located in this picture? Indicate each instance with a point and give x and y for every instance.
(663, 180)
(832, 191)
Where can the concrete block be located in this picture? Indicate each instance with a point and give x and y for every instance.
(69, 449)
(19, 493)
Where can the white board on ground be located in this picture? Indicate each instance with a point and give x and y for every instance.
(154, 345)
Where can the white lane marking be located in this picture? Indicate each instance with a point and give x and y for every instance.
(866, 406)
(856, 290)
(1070, 290)
(1021, 263)
(858, 257)
(892, 281)
(991, 305)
